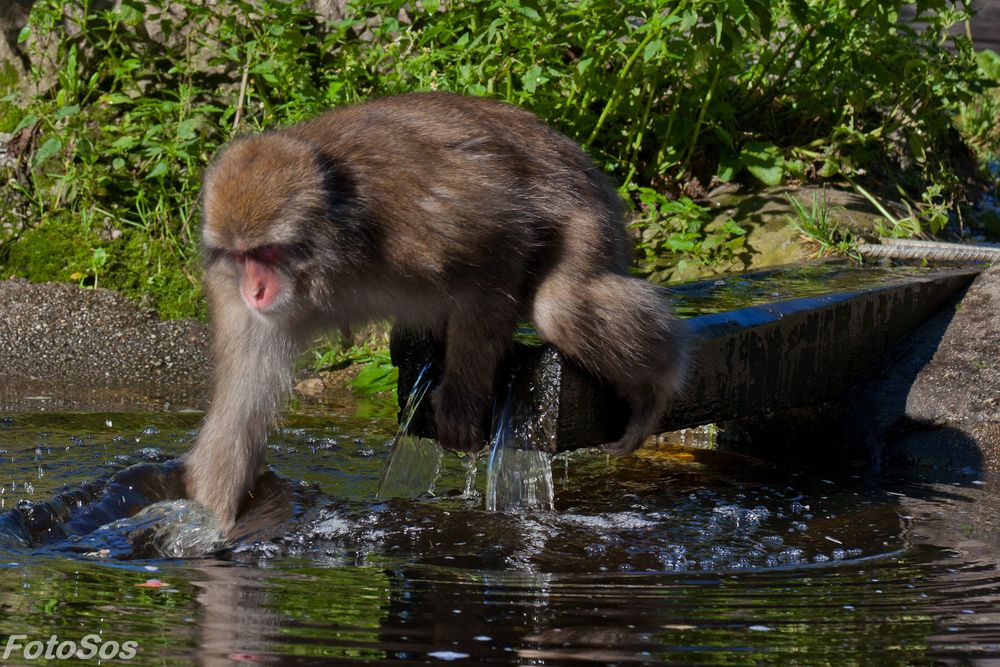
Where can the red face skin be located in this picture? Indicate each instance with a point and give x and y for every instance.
(261, 282)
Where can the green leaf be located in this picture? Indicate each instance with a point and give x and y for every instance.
(99, 257)
(115, 98)
(47, 150)
(186, 129)
(532, 78)
(28, 120)
(124, 143)
(375, 378)
(159, 170)
(729, 167)
(680, 243)
(528, 11)
(66, 112)
(799, 10)
(830, 168)
(132, 12)
(652, 49)
(764, 161)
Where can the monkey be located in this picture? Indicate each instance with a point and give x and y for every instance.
(451, 214)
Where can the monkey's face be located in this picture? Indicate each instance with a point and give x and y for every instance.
(259, 199)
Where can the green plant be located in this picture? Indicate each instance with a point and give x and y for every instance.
(677, 232)
(892, 227)
(377, 374)
(815, 224)
(10, 112)
(669, 97)
(132, 122)
(978, 116)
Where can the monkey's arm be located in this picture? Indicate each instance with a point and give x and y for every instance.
(253, 358)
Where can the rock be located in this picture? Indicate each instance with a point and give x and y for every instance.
(59, 340)
(312, 387)
(330, 10)
(13, 17)
(771, 241)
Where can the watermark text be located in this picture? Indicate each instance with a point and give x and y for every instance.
(89, 647)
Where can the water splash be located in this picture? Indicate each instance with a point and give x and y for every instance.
(471, 470)
(415, 462)
(519, 473)
(166, 529)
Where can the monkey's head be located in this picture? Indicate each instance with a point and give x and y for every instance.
(259, 200)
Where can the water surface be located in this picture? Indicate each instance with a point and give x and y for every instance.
(676, 555)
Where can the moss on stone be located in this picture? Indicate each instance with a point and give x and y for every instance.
(149, 271)
(10, 113)
(51, 251)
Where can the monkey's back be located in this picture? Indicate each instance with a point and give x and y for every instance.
(458, 178)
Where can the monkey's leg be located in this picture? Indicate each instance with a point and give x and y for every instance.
(477, 339)
(620, 329)
(253, 357)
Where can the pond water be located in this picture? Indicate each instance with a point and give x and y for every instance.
(675, 555)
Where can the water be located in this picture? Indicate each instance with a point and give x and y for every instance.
(743, 290)
(414, 462)
(675, 555)
(519, 474)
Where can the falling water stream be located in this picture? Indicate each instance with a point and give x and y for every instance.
(518, 474)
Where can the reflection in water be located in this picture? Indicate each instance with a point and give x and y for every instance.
(730, 292)
(673, 555)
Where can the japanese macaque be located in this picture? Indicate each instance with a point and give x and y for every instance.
(455, 215)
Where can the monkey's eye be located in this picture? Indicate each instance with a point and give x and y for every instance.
(267, 254)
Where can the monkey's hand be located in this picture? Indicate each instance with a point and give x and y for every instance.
(459, 418)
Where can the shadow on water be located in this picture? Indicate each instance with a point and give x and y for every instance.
(677, 554)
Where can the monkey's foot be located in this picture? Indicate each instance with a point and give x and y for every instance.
(627, 445)
(458, 421)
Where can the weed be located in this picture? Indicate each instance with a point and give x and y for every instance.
(816, 224)
(663, 94)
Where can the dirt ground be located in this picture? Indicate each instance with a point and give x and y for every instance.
(67, 348)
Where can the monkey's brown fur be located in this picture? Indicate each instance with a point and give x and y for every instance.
(453, 214)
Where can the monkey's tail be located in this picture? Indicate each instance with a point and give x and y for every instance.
(621, 329)
(654, 368)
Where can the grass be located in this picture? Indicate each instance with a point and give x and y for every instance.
(816, 224)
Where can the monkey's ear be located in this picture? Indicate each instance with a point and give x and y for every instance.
(337, 181)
